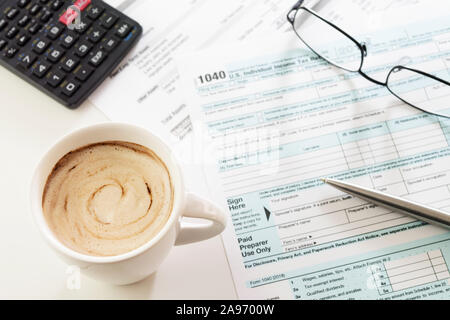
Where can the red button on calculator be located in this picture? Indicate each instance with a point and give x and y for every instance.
(82, 4)
(70, 15)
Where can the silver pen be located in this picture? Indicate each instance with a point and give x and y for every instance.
(416, 210)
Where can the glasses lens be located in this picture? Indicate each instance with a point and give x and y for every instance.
(327, 41)
(422, 91)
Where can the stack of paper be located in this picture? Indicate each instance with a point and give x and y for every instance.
(271, 119)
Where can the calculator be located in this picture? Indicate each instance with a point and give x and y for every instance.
(65, 48)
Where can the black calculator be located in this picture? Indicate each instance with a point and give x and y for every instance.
(65, 48)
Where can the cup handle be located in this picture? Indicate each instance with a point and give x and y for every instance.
(197, 207)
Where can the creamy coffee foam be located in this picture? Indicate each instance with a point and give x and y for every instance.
(108, 199)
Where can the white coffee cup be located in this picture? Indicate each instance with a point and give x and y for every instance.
(138, 264)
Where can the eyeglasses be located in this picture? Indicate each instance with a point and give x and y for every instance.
(429, 93)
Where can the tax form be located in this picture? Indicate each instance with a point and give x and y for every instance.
(153, 99)
(274, 119)
(145, 89)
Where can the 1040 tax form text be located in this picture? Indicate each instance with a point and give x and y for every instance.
(278, 119)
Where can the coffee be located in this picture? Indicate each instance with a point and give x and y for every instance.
(108, 198)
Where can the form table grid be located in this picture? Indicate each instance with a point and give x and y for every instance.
(411, 272)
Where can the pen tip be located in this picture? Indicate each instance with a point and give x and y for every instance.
(324, 180)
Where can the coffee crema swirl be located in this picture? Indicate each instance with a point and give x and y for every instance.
(109, 198)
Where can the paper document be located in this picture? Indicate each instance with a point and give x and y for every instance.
(368, 12)
(277, 119)
(145, 89)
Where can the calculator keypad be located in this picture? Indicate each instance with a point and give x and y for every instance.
(65, 55)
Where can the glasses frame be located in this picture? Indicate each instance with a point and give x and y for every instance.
(292, 15)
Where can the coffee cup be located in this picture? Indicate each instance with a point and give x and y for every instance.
(135, 265)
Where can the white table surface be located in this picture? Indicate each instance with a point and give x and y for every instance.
(30, 122)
